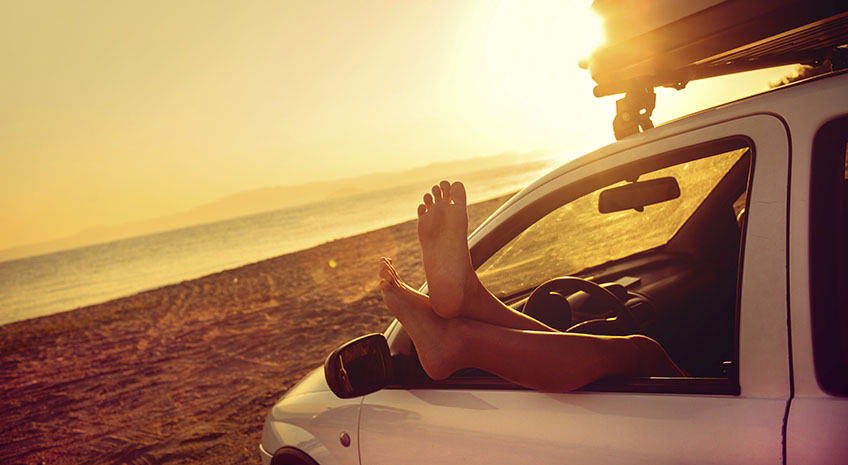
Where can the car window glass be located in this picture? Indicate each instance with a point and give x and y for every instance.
(576, 236)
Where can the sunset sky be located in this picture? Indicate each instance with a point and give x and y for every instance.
(112, 112)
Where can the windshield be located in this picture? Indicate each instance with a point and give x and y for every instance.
(577, 236)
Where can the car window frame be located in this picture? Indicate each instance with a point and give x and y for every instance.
(416, 379)
(760, 370)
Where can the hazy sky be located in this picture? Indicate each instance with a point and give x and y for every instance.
(116, 111)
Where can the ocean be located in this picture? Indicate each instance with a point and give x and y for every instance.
(46, 284)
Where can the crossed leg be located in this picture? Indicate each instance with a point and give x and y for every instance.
(454, 288)
(544, 360)
(461, 324)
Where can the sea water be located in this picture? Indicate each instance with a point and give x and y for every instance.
(64, 280)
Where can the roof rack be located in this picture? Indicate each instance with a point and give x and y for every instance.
(668, 43)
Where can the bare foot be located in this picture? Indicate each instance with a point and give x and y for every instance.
(433, 336)
(442, 232)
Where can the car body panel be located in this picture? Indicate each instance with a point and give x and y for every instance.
(830, 102)
(816, 431)
(817, 423)
(508, 427)
(311, 419)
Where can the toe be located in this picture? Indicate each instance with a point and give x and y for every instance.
(386, 274)
(428, 200)
(422, 209)
(437, 193)
(445, 186)
(458, 193)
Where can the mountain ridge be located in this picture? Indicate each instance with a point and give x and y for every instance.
(264, 199)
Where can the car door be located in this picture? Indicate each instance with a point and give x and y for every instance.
(693, 420)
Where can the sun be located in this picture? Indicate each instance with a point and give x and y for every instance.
(523, 33)
(532, 52)
(533, 48)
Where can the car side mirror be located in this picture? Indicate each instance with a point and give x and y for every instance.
(638, 194)
(359, 367)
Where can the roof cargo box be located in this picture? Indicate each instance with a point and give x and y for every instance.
(652, 43)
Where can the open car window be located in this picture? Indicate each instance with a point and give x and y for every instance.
(675, 264)
(677, 261)
(577, 236)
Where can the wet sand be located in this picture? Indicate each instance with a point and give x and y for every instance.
(186, 373)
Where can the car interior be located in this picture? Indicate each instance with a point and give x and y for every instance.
(677, 286)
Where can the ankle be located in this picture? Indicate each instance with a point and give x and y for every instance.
(446, 359)
(475, 297)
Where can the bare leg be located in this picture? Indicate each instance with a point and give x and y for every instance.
(442, 231)
(549, 361)
(454, 288)
(437, 350)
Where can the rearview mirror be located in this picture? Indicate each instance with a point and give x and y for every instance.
(638, 194)
(359, 367)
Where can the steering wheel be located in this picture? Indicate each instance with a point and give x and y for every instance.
(541, 298)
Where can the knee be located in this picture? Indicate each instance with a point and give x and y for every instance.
(643, 343)
(653, 359)
(646, 351)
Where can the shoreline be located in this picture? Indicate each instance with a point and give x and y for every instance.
(187, 372)
(88, 276)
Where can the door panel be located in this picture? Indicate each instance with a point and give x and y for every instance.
(509, 427)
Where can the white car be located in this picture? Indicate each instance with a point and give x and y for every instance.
(724, 237)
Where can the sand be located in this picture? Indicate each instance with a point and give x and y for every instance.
(187, 372)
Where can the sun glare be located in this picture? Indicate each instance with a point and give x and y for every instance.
(532, 52)
(586, 31)
(545, 31)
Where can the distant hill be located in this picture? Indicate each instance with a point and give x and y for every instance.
(273, 198)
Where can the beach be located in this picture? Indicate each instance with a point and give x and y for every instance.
(187, 372)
